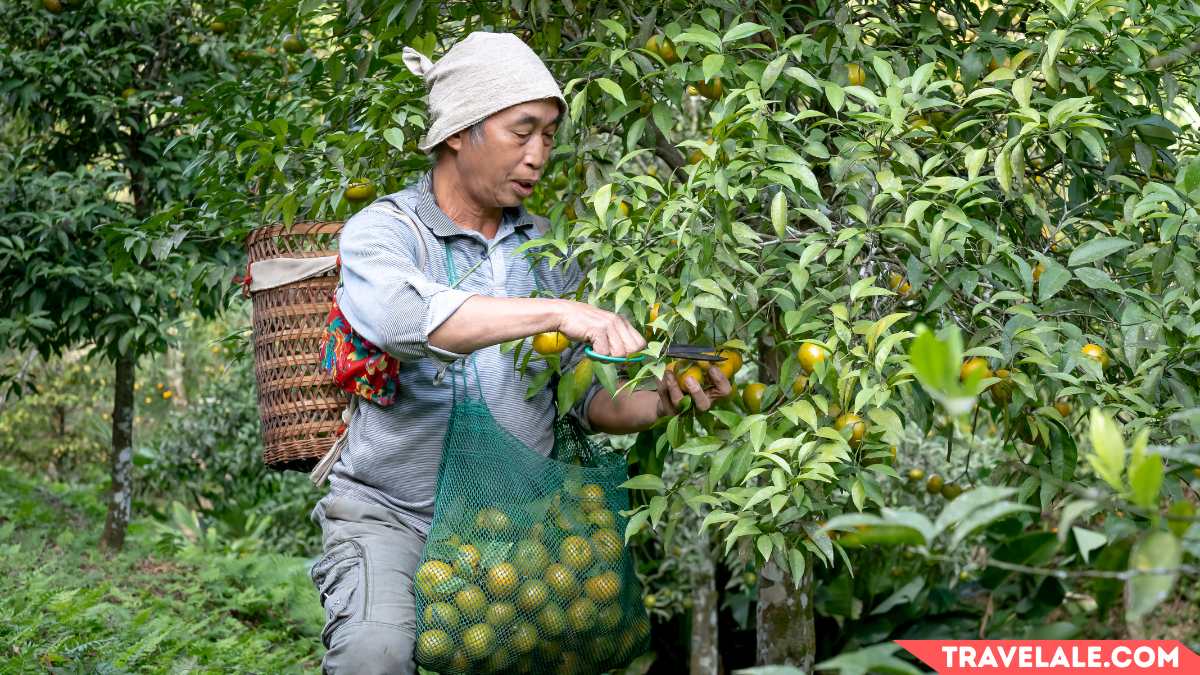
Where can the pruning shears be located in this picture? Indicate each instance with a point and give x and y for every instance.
(689, 352)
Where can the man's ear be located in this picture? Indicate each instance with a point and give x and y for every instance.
(455, 141)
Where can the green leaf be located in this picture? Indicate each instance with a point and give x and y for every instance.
(742, 31)
(779, 206)
(1053, 45)
(601, 200)
(1087, 541)
(1004, 172)
(974, 161)
(1156, 550)
(771, 72)
(394, 137)
(712, 65)
(1054, 279)
(1108, 449)
(1145, 474)
(1097, 249)
(646, 481)
(611, 88)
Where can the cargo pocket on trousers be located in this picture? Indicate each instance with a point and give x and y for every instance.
(340, 579)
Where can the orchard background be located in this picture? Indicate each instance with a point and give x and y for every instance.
(953, 242)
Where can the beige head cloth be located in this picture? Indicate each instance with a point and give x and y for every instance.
(483, 74)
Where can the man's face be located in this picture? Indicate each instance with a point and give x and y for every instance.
(502, 169)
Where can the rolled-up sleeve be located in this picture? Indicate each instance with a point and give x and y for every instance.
(385, 296)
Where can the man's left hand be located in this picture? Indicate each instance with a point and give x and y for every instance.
(671, 391)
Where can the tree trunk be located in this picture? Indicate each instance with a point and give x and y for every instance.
(705, 658)
(785, 625)
(121, 455)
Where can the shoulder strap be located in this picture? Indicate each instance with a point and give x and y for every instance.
(390, 206)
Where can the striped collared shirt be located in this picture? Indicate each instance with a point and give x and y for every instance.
(393, 452)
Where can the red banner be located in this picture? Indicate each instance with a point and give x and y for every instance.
(1044, 657)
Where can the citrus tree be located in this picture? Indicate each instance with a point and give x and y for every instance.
(96, 243)
(810, 185)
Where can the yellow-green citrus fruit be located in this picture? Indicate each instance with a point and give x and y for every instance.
(500, 660)
(799, 384)
(581, 614)
(858, 427)
(561, 579)
(603, 587)
(609, 617)
(466, 562)
(479, 640)
(752, 396)
(810, 355)
(1096, 353)
(532, 594)
(493, 519)
(471, 601)
(607, 544)
(934, 485)
(602, 518)
(649, 601)
(217, 27)
(502, 580)
(442, 615)
(1063, 406)
(500, 614)
(431, 576)
(951, 491)
(591, 497)
(855, 75)
(731, 363)
(530, 557)
(915, 474)
(552, 342)
(293, 45)
(1179, 517)
(1002, 391)
(524, 637)
(434, 645)
(360, 190)
(974, 367)
(576, 552)
(552, 620)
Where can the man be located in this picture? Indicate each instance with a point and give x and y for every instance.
(494, 109)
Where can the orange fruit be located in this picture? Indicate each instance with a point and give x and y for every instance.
(552, 620)
(652, 44)
(974, 367)
(1063, 406)
(1002, 390)
(934, 485)
(666, 49)
(1096, 353)
(607, 544)
(855, 75)
(581, 614)
(731, 363)
(502, 580)
(655, 311)
(712, 89)
(857, 427)
(471, 601)
(692, 91)
(602, 518)
(442, 615)
(624, 207)
(432, 575)
(532, 594)
(360, 190)
(479, 641)
(591, 497)
(609, 617)
(950, 491)
(915, 474)
(1037, 272)
(524, 637)
(752, 396)
(434, 645)
(810, 355)
(466, 563)
(799, 384)
(576, 552)
(561, 580)
(603, 587)
(694, 372)
(552, 342)
(530, 557)
(500, 614)
(492, 519)
(499, 661)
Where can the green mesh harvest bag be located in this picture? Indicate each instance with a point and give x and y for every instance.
(524, 569)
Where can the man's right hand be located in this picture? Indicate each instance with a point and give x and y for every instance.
(609, 334)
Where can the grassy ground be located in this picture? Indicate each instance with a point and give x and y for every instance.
(69, 609)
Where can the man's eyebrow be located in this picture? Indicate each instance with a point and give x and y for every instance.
(533, 120)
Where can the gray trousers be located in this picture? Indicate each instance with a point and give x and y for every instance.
(365, 583)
